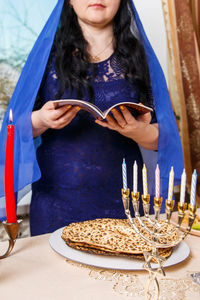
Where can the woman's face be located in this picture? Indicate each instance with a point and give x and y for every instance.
(96, 12)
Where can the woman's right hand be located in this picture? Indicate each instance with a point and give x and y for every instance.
(52, 116)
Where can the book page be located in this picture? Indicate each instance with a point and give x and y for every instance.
(90, 107)
(134, 108)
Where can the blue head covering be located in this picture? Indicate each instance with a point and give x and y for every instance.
(26, 169)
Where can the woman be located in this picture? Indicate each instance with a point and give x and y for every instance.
(97, 55)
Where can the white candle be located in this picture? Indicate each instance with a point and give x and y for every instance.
(144, 177)
(183, 188)
(193, 189)
(171, 184)
(124, 175)
(135, 177)
(157, 182)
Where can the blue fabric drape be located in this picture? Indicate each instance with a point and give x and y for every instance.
(169, 146)
(26, 169)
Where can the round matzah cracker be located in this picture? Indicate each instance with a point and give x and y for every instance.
(166, 252)
(114, 235)
(103, 234)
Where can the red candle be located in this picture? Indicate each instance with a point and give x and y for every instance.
(9, 173)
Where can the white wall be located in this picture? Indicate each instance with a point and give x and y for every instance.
(151, 15)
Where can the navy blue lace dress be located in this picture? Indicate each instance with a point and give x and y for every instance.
(81, 163)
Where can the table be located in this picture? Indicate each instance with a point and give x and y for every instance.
(35, 271)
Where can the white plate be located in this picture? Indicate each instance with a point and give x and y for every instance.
(180, 253)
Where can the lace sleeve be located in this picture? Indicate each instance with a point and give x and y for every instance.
(39, 98)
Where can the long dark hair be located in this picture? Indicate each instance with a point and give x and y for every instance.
(73, 61)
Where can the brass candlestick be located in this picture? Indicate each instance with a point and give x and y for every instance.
(181, 213)
(169, 209)
(12, 230)
(146, 204)
(135, 203)
(157, 207)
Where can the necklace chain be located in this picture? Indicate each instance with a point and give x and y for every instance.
(96, 57)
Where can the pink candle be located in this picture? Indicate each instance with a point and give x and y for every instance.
(144, 177)
(157, 182)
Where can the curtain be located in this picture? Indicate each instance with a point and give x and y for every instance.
(182, 20)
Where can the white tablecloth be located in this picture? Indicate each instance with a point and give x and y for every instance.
(34, 271)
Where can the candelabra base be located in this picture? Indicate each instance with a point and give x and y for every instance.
(12, 230)
(154, 235)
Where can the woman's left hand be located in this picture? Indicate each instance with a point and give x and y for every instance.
(139, 129)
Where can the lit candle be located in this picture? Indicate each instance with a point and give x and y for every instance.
(144, 177)
(171, 184)
(183, 188)
(124, 175)
(9, 173)
(135, 177)
(157, 182)
(193, 189)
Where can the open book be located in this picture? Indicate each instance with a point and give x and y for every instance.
(135, 108)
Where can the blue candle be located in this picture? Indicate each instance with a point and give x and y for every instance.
(193, 188)
(124, 175)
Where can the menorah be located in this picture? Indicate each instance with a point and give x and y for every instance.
(153, 234)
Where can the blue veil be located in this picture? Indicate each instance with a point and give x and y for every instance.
(26, 169)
